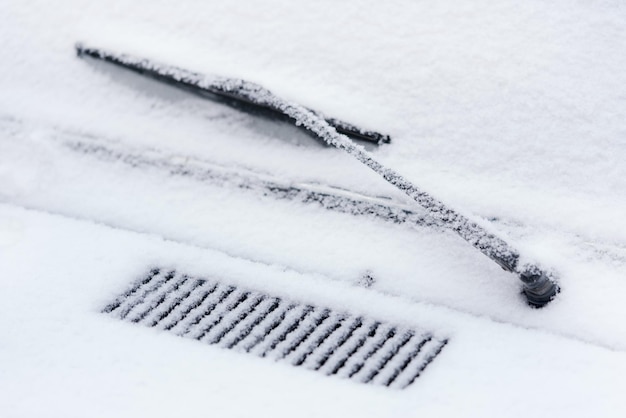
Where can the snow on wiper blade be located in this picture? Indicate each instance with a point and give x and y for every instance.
(228, 91)
(538, 285)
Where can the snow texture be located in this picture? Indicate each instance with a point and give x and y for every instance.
(510, 112)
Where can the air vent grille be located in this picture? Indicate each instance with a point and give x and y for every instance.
(334, 343)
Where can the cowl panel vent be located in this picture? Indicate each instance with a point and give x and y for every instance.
(317, 338)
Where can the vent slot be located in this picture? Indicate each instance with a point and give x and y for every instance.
(316, 338)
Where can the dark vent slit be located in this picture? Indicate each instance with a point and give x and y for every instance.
(387, 355)
(323, 333)
(237, 316)
(356, 347)
(429, 358)
(374, 345)
(412, 354)
(221, 309)
(266, 308)
(186, 290)
(268, 327)
(139, 299)
(207, 307)
(170, 296)
(352, 327)
(152, 303)
(189, 305)
(134, 289)
(308, 328)
(285, 329)
(137, 296)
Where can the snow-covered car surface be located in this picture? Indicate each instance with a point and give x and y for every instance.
(510, 112)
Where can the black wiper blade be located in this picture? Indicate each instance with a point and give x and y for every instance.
(186, 80)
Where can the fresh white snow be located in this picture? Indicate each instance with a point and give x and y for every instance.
(511, 112)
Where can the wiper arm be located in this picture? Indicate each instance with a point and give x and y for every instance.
(538, 285)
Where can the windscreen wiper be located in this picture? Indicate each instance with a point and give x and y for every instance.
(231, 97)
(538, 285)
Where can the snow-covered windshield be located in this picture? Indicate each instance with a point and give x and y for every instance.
(509, 112)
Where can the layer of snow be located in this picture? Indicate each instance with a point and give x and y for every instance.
(511, 112)
(62, 357)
